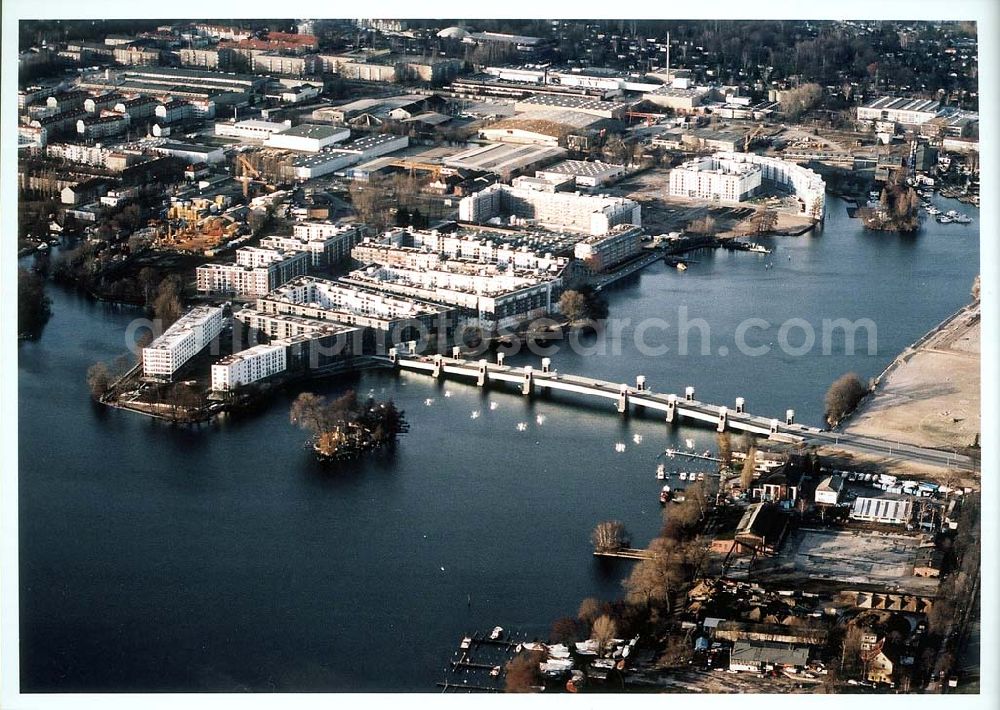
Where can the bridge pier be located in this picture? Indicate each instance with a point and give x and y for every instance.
(411, 347)
(671, 407)
(481, 377)
(723, 415)
(438, 369)
(546, 364)
(689, 394)
(456, 352)
(528, 384)
(774, 426)
(623, 399)
(740, 405)
(500, 359)
(640, 383)
(790, 416)
(393, 356)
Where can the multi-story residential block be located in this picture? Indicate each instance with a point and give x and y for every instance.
(255, 273)
(182, 341)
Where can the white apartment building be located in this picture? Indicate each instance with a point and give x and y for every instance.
(255, 273)
(732, 177)
(711, 178)
(484, 296)
(334, 301)
(414, 248)
(248, 366)
(182, 341)
(589, 214)
(326, 243)
(602, 251)
(172, 111)
(102, 127)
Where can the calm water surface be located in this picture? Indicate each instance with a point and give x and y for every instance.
(225, 558)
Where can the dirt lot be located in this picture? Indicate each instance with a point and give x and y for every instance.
(854, 556)
(661, 213)
(933, 397)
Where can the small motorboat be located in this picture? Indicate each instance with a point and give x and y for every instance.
(963, 219)
(681, 266)
(944, 219)
(496, 633)
(661, 472)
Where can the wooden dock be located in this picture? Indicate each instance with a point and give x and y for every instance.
(479, 665)
(626, 553)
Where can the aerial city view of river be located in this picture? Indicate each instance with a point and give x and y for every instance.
(225, 557)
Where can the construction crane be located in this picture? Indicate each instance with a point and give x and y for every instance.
(751, 136)
(414, 165)
(650, 118)
(246, 169)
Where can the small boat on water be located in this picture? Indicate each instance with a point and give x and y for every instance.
(759, 249)
(933, 210)
(682, 266)
(963, 219)
(661, 472)
(952, 213)
(944, 219)
(664, 495)
(43, 247)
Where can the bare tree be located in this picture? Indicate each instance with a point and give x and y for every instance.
(564, 630)
(725, 443)
(98, 380)
(764, 221)
(609, 536)
(309, 411)
(590, 609)
(523, 674)
(604, 631)
(843, 396)
(746, 475)
(572, 305)
(167, 306)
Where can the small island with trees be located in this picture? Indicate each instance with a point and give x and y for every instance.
(347, 426)
(898, 210)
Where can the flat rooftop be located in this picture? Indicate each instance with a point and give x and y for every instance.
(580, 103)
(586, 168)
(497, 157)
(894, 103)
(312, 130)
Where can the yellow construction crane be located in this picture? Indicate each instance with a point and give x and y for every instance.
(246, 169)
(414, 165)
(751, 136)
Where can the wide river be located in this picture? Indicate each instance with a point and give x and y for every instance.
(224, 558)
